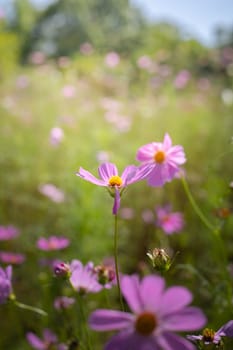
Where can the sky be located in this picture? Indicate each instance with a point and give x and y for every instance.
(199, 17)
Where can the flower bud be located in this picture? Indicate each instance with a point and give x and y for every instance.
(105, 274)
(62, 269)
(160, 259)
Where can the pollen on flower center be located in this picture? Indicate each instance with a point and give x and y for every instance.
(145, 323)
(115, 181)
(159, 157)
(208, 335)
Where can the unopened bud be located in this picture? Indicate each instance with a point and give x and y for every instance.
(62, 269)
(105, 274)
(160, 259)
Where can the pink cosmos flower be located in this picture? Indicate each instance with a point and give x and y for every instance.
(109, 178)
(8, 232)
(5, 284)
(52, 192)
(84, 278)
(157, 314)
(170, 222)
(182, 79)
(209, 336)
(164, 158)
(69, 91)
(12, 258)
(52, 243)
(48, 341)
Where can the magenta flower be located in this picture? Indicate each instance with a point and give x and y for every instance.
(210, 337)
(109, 178)
(52, 243)
(169, 222)
(83, 278)
(164, 158)
(12, 258)
(5, 283)
(48, 341)
(8, 232)
(63, 302)
(157, 313)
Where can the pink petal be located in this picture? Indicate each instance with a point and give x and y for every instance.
(131, 341)
(128, 174)
(108, 320)
(167, 142)
(175, 298)
(187, 319)
(86, 175)
(146, 153)
(170, 341)
(117, 202)
(151, 292)
(156, 178)
(130, 287)
(35, 342)
(107, 170)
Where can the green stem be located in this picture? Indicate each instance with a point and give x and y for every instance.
(116, 261)
(197, 209)
(83, 323)
(30, 308)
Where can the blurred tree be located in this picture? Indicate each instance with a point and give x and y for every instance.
(107, 24)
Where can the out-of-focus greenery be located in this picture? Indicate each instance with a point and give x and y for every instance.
(109, 112)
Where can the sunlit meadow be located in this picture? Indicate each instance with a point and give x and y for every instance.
(130, 242)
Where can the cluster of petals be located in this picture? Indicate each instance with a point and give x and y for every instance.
(156, 314)
(170, 222)
(47, 342)
(8, 232)
(213, 337)
(5, 284)
(52, 243)
(84, 278)
(164, 158)
(109, 178)
(12, 258)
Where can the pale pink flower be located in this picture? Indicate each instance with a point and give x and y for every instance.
(164, 158)
(170, 222)
(52, 192)
(112, 59)
(53, 243)
(37, 57)
(86, 49)
(69, 91)
(56, 136)
(182, 78)
(144, 62)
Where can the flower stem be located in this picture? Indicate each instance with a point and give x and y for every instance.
(197, 209)
(83, 323)
(30, 308)
(116, 261)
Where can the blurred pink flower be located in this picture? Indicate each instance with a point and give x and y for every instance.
(182, 78)
(52, 192)
(22, 81)
(170, 222)
(69, 91)
(52, 243)
(12, 258)
(86, 49)
(63, 61)
(63, 302)
(37, 57)
(56, 136)
(103, 156)
(47, 342)
(144, 62)
(148, 216)
(127, 213)
(8, 232)
(112, 59)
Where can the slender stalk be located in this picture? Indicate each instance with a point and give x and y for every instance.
(30, 308)
(83, 323)
(116, 261)
(197, 209)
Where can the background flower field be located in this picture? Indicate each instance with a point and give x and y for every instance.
(66, 110)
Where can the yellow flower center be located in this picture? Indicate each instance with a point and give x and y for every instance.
(146, 323)
(208, 334)
(115, 181)
(159, 157)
